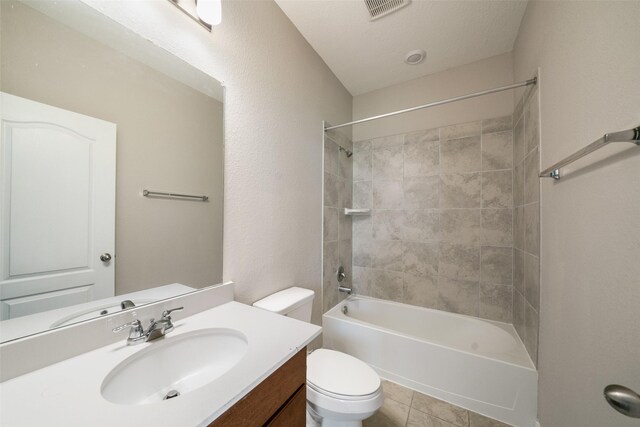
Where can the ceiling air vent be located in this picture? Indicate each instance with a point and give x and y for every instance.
(379, 8)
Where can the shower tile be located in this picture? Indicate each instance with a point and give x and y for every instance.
(421, 225)
(460, 130)
(421, 158)
(397, 392)
(496, 265)
(477, 420)
(387, 285)
(346, 167)
(518, 227)
(330, 157)
(331, 190)
(518, 314)
(459, 261)
(345, 194)
(362, 165)
(460, 225)
(387, 225)
(531, 331)
(330, 262)
(363, 280)
(363, 194)
(421, 290)
(497, 189)
(330, 222)
(420, 192)
(422, 136)
(387, 195)
(361, 227)
(440, 409)
(391, 414)
(388, 158)
(518, 270)
(386, 255)
(420, 419)
(532, 280)
(497, 227)
(518, 141)
(362, 250)
(497, 151)
(531, 179)
(531, 123)
(518, 184)
(345, 226)
(496, 302)
(497, 124)
(461, 155)
(532, 228)
(421, 259)
(345, 256)
(458, 190)
(458, 296)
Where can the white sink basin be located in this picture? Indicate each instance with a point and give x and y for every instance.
(181, 364)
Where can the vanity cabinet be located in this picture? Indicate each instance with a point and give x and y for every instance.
(278, 401)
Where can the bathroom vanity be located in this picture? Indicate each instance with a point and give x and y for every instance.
(229, 365)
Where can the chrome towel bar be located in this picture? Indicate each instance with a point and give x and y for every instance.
(147, 193)
(630, 135)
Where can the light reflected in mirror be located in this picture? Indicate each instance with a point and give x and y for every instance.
(92, 115)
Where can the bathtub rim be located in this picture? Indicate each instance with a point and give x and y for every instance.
(335, 313)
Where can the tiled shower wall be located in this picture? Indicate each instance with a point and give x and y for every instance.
(440, 231)
(526, 220)
(336, 225)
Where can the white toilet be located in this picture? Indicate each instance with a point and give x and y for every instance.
(341, 390)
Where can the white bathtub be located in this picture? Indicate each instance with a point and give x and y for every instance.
(477, 364)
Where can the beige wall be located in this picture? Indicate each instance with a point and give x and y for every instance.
(474, 77)
(169, 139)
(588, 54)
(277, 92)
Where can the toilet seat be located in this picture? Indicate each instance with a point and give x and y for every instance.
(341, 376)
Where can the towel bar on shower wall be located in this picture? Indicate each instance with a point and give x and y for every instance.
(630, 135)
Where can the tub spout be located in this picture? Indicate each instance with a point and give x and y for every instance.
(345, 289)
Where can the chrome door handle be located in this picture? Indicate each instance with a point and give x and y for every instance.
(105, 257)
(623, 400)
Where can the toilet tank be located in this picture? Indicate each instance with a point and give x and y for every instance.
(292, 302)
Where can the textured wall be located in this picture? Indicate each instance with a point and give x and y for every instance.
(474, 77)
(157, 241)
(588, 54)
(277, 92)
(440, 232)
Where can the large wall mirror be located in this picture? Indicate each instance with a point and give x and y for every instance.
(92, 116)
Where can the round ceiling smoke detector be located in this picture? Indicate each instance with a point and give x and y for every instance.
(415, 57)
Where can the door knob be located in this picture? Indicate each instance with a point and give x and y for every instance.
(105, 257)
(623, 400)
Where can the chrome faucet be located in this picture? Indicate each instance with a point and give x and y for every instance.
(157, 329)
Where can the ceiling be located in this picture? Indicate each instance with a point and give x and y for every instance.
(367, 55)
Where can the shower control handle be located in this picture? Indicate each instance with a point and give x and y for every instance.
(341, 274)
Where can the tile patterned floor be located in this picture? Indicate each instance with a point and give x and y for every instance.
(404, 407)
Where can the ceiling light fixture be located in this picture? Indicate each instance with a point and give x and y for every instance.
(415, 57)
(207, 13)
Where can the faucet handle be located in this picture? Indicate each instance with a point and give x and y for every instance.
(166, 313)
(134, 323)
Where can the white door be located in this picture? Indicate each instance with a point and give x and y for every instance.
(57, 219)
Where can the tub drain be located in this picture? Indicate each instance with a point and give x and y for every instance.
(345, 310)
(171, 395)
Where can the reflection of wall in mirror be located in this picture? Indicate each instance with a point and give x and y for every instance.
(169, 139)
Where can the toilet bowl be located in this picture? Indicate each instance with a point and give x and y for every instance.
(341, 389)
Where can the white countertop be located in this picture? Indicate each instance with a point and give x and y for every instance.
(68, 393)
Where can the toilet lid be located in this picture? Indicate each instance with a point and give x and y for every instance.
(339, 373)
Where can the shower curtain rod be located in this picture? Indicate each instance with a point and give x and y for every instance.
(529, 82)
